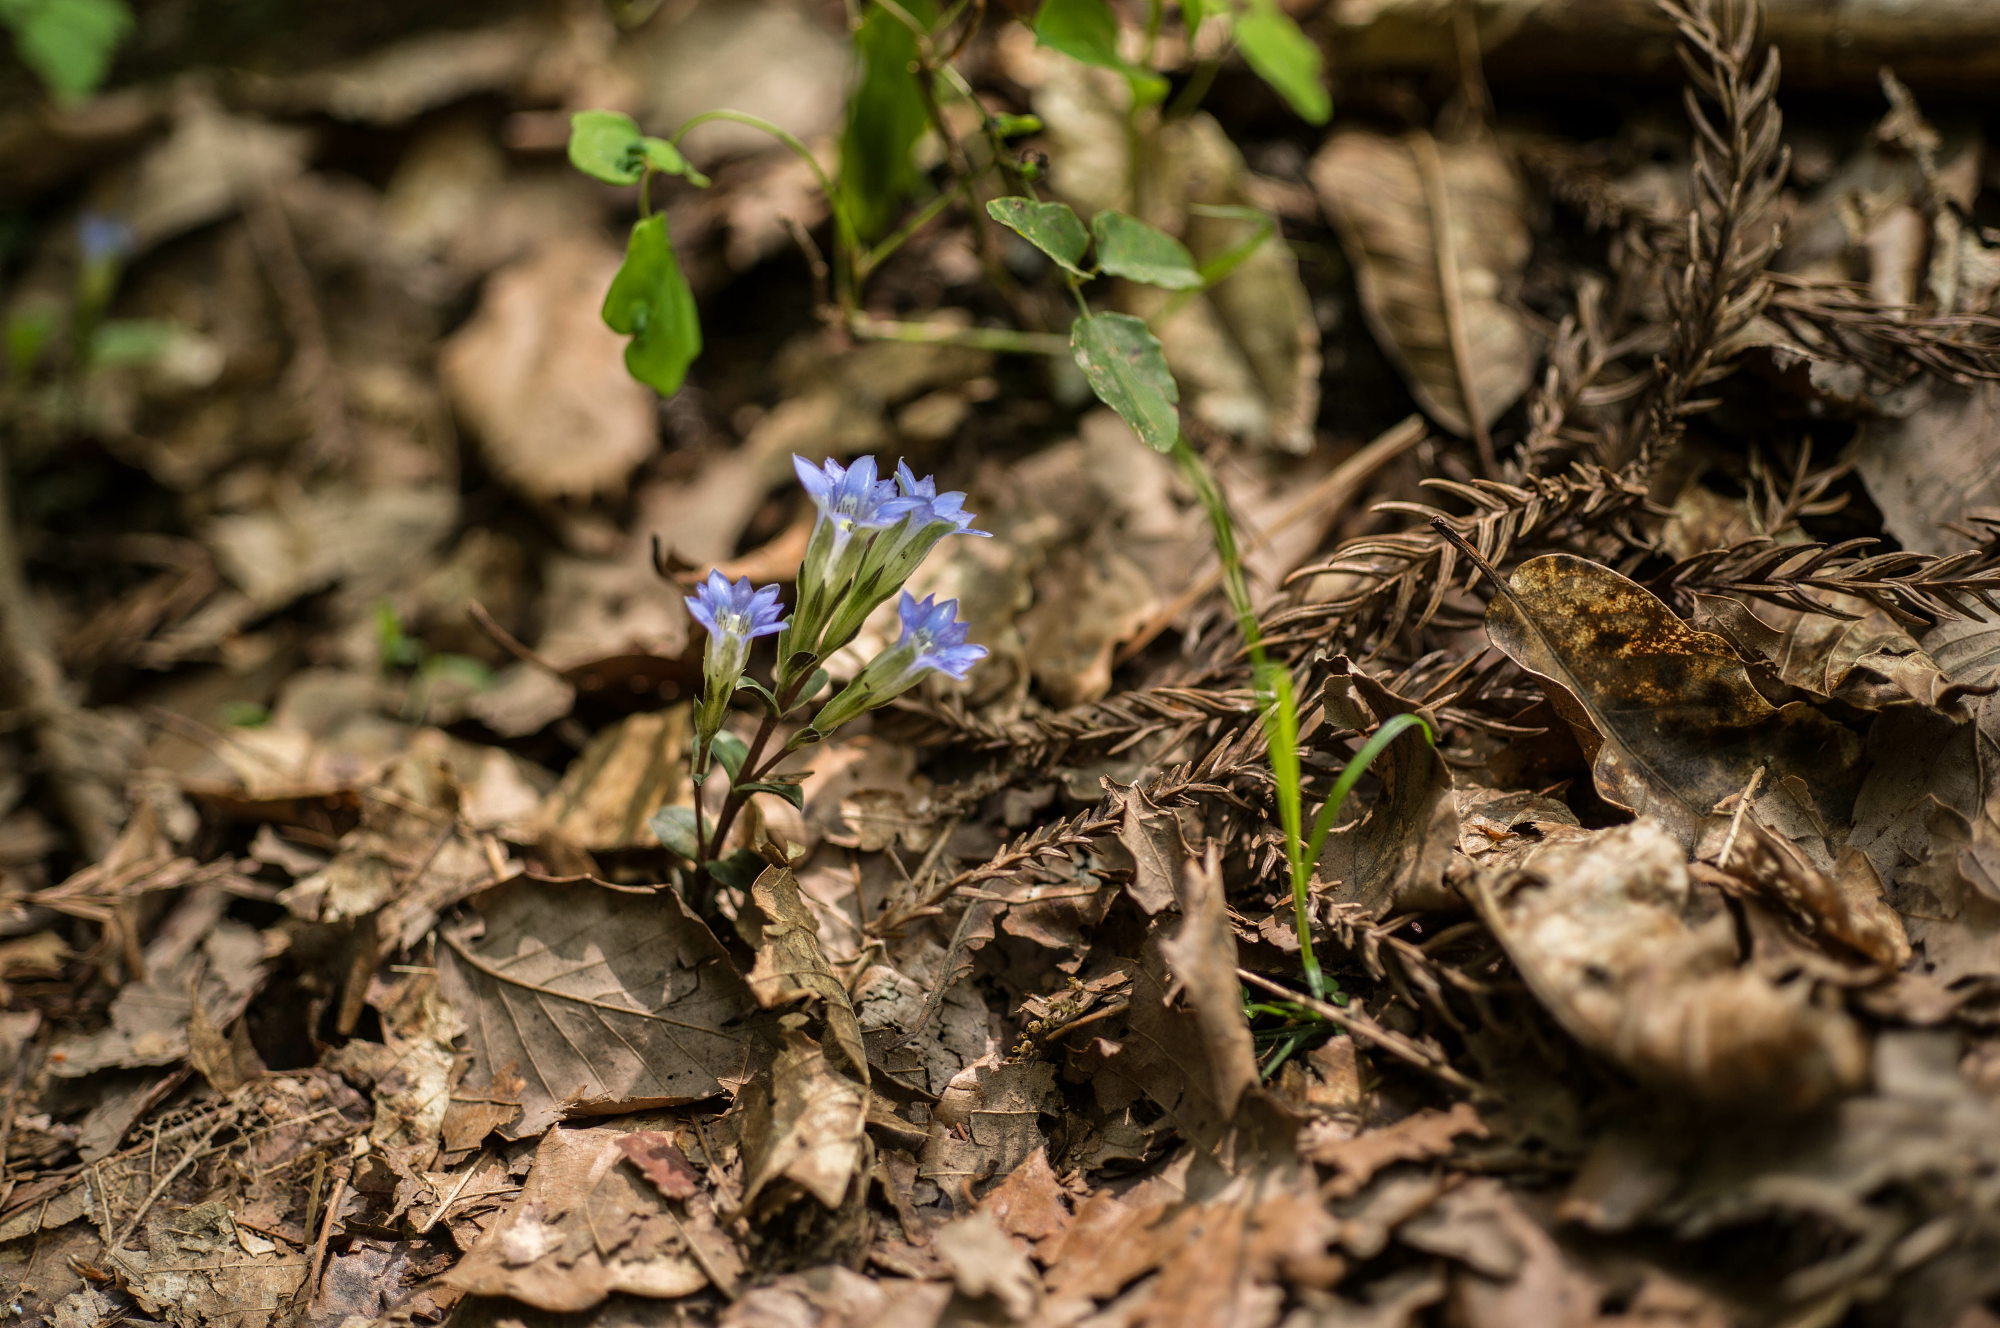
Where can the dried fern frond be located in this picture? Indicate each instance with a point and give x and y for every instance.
(1124, 720)
(1913, 587)
(1717, 282)
(1890, 343)
(1405, 577)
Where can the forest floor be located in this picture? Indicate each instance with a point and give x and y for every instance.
(1655, 462)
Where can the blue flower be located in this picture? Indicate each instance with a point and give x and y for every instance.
(851, 498)
(736, 611)
(945, 507)
(935, 637)
(102, 238)
(932, 639)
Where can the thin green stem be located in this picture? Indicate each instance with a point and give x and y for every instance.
(1350, 774)
(848, 249)
(1006, 340)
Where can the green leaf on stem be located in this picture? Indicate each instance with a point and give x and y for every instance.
(676, 829)
(1087, 31)
(1284, 57)
(736, 870)
(746, 683)
(607, 146)
(787, 787)
(1124, 365)
(885, 118)
(729, 753)
(1127, 247)
(666, 159)
(650, 301)
(815, 684)
(1051, 227)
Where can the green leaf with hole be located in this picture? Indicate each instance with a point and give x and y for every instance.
(675, 827)
(1051, 227)
(1127, 247)
(1087, 31)
(1286, 58)
(650, 301)
(607, 146)
(885, 118)
(1124, 365)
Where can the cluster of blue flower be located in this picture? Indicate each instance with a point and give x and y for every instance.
(869, 536)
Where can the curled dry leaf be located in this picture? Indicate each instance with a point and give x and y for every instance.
(602, 999)
(1666, 714)
(791, 967)
(1605, 927)
(803, 1131)
(1438, 237)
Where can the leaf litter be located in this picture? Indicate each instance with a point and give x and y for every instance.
(1663, 986)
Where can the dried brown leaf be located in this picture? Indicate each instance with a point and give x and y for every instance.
(1667, 714)
(541, 380)
(602, 999)
(791, 968)
(582, 1228)
(1395, 855)
(803, 1131)
(1437, 233)
(1610, 933)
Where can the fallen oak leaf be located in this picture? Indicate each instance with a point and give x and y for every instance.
(1666, 715)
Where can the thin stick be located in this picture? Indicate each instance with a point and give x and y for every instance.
(1356, 1024)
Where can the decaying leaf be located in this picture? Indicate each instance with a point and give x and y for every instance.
(1437, 233)
(1667, 714)
(582, 1228)
(198, 957)
(1610, 933)
(803, 1132)
(601, 999)
(791, 968)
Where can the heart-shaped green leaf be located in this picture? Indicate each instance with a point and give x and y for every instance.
(607, 146)
(650, 301)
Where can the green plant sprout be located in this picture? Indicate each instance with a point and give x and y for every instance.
(903, 70)
(903, 55)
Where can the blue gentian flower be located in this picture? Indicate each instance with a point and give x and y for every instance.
(932, 632)
(736, 610)
(933, 640)
(850, 498)
(892, 555)
(940, 507)
(735, 615)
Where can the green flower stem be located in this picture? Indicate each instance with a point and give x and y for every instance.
(751, 770)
